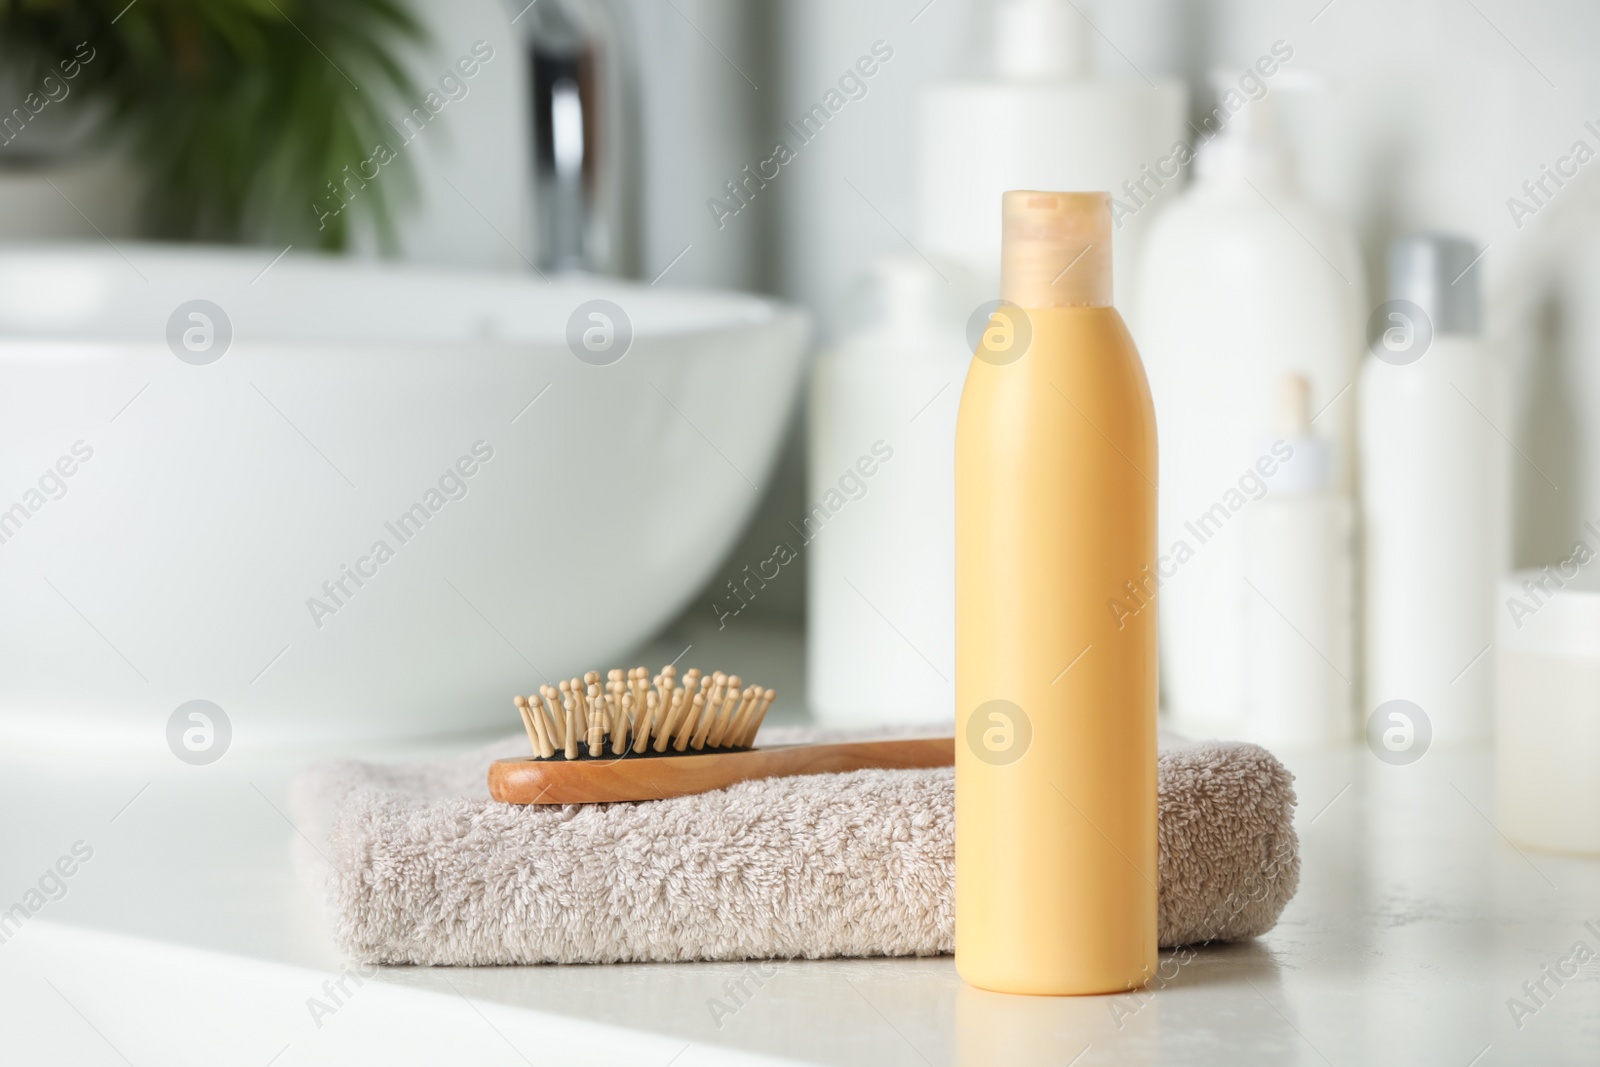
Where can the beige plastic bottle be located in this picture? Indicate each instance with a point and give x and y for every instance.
(1056, 622)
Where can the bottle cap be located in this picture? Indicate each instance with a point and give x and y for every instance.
(1055, 249)
(1041, 40)
(1294, 406)
(1432, 271)
(1310, 462)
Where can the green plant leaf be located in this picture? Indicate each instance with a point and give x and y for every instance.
(240, 112)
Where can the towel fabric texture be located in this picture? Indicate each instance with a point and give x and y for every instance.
(419, 866)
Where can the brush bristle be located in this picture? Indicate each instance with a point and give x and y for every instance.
(629, 714)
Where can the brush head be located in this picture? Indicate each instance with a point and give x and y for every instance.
(637, 716)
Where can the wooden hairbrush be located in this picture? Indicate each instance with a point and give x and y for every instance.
(644, 738)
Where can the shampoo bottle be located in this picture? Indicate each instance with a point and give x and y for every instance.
(1243, 281)
(1299, 570)
(1433, 482)
(1056, 622)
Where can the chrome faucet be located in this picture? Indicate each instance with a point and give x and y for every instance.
(586, 134)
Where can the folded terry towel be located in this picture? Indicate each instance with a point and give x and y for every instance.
(419, 866)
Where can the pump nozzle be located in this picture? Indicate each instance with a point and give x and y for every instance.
(1310, 463)
(1247, 123)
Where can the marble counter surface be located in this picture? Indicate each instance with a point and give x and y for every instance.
(181, 936)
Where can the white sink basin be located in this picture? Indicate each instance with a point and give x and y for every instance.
(203, 550)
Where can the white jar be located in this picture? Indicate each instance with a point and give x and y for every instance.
(1548, 703)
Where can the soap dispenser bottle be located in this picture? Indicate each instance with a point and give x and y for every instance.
(1243, 281)
(1056, 622)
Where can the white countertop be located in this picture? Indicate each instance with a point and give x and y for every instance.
(185, 938)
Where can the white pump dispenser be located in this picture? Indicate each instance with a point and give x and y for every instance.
(1243, 282)
(1250, 146)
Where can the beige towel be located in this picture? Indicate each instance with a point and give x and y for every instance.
(419, 866)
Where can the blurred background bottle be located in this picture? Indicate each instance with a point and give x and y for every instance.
(1433, 490)
(1244, 281)
(1299, 681)
(880, 624)
(1045, 119)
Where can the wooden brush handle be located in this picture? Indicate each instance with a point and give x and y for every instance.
(530, 781)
